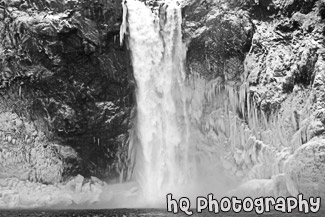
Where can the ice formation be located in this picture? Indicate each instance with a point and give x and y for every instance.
(24, 194)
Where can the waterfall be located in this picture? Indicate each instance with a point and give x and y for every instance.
(163, 158)
(191, 135)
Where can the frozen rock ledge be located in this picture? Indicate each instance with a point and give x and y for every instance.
(304, 173)
(274, 187)
(15, 193)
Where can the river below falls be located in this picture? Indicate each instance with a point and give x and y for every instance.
(134, 213)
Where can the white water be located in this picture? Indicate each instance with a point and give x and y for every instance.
(170, 152)
(188, 139)
(163, 156)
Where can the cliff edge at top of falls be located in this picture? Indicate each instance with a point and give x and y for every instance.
(267, 59)
(66, 90)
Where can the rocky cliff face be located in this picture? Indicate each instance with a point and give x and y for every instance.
(66, 90)
(257, 69)
(266, 59)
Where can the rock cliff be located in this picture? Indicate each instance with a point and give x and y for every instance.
(266, 59)
(257, 70)
(66, 90)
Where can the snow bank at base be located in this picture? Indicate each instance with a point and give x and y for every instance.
(15, 193)
(256, 188)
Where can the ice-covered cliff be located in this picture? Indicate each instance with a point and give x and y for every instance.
(265, 58)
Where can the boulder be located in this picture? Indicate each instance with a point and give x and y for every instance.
(305, 170)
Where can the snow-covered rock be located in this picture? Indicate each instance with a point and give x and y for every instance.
(274, 187)
(305, 170)
(254, 188)
(15, 193)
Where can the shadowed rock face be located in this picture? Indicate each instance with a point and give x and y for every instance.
(65, 76)
(219, 35)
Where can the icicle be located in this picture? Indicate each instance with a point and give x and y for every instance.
(124, 22)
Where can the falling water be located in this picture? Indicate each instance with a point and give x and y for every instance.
(188, 137)
(163, 158)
